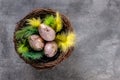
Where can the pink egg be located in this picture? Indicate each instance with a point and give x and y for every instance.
(36, 42)
(50, 49)
(46, 32)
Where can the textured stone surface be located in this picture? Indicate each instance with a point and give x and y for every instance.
(97, 52)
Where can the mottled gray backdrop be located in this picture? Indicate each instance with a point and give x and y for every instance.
(97, 52)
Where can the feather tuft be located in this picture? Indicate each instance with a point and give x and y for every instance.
(50, 21)
(34, 22)
(58, 22)
(33, 55)
(22, 49)
(65, 40)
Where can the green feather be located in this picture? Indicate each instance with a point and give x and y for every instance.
(25, 32)
(33, 55)
(22, 49)
(50, 21)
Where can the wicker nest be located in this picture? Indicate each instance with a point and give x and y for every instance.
(60, 56)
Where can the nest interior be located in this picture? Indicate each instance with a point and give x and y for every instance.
(45, 63)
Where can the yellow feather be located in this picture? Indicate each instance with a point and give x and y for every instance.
(58, 22)
(34, 22)
(61, 37)
(65, 41)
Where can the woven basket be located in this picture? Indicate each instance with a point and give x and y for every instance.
(42, 13)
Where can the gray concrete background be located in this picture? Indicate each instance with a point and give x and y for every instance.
(97, 52)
